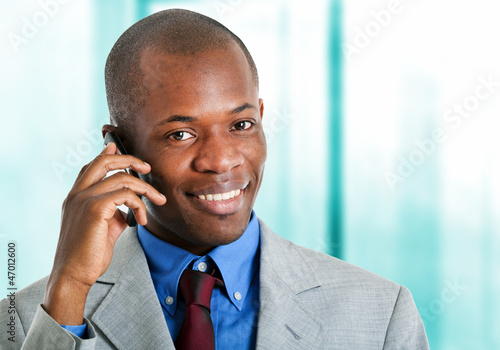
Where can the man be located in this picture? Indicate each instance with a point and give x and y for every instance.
(183, 97)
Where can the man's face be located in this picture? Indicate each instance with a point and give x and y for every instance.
(201, 131)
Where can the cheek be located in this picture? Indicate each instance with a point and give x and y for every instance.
(258, 152)
(255, 155)
(169, 172)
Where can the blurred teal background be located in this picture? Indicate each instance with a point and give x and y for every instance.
(382, 126)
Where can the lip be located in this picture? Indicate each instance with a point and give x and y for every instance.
(224, 207)
(220, 188)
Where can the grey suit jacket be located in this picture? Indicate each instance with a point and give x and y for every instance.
(308, 300)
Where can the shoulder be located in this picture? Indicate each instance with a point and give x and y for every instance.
(331, 270)
(326, 268)
(346, 300)
(325, 279)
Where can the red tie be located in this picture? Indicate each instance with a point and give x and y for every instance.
(197, 331)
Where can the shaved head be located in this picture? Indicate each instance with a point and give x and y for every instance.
(177, 32)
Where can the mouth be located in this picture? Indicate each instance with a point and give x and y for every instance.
(220, 196)
(222, 199)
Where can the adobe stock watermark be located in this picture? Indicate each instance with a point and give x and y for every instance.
(225, 6)
(30, 26)
(454, 117)
(364, 35)
(449, 294)
(277, 122)
(326, 246)
(76, 155)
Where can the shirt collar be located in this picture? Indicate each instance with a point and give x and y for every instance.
(237, 262)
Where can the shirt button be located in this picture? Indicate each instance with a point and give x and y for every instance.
(237, 296)
(169, 300)
(202, 267)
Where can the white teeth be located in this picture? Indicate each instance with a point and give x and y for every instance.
(220, 196)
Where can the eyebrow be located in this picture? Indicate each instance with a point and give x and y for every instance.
(188, 119)
(242, 108)
(176, 118)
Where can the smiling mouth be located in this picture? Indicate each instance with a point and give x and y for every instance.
(220, 196)
(220, 203)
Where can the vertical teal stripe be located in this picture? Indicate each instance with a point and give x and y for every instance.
(335, 129)
(142, 7)
(286, 220)
(488, 324)
(111, 19)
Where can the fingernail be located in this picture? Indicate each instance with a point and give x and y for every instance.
(147, 164)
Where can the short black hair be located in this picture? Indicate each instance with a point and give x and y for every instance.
(174, 31)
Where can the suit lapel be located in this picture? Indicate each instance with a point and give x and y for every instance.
(284, 320)
(130, 315)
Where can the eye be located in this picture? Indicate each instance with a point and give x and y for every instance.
(181, 135)
(243, 125)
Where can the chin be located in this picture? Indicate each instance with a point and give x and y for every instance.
(214, 231)
(197, 228)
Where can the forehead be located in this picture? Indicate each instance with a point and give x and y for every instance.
(204, 82)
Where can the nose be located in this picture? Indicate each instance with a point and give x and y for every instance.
(218, 154)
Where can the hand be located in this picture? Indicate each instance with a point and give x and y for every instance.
(90, 226)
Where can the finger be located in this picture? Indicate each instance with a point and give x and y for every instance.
(105, 163)
(122, 180)
(118, 220)
(82, 171)
(110, 148)
(106, 205)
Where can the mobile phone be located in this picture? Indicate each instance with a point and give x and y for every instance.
(127, 213)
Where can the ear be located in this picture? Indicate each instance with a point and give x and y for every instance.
(261, 107)
(122, 135)
(111, 128)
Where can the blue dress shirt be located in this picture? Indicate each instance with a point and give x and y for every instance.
(234, 308)
(79, 331)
